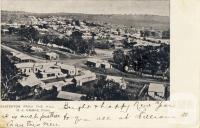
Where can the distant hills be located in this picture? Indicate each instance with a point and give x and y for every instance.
(138, 21)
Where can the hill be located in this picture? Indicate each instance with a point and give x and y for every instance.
(138, 21)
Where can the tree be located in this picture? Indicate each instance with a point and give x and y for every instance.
(119, 58)
(78, 44)
(30, 33)
(109, 90)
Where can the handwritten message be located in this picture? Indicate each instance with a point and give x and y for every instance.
(69, 114)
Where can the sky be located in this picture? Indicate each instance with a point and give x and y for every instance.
(147, 7)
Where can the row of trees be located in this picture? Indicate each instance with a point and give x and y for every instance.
(146, 59)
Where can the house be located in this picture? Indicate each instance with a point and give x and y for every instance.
(24, 68)
(31, 67)
(68, 69)
(4, 31)
(50, 72)
(36, 49)
(51, 56)
(70, 96)
(156, 91)
(117, 79)
(92, 62)
(21, 58)
(30, 81)
(105, 64)
(57, 82)
(38, 66)
(86, 77)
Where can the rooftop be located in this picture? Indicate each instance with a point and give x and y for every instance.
(69, 96)
(115, 78)
(31, 81)
(153, 87)
(54, 80)
(21, 56)
(24, 65)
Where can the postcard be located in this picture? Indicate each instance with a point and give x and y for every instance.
(99, 63)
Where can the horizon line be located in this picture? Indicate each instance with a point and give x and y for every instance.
(85, 13)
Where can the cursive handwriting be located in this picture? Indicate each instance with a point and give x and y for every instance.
(86, 112)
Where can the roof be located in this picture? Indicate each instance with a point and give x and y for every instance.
(53, 80)
(94, 60)
(21, 56)
(87, 75)
(115, 78)
(24, 65)
(50, 70)
(45, 64)
(36, 48)
(31, 81)
(65, 66)
(51, 54)
(153, 87)
(31, 64)
(69, 95)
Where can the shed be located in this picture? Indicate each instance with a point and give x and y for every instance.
(70, 96)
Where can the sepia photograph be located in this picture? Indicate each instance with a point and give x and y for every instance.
(85, 50)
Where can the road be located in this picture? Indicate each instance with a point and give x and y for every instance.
(39, 59)
(145, 80)
(16, 51)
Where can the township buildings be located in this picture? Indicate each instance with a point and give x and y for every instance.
(52, 74)
(48, 74)
(97, 63)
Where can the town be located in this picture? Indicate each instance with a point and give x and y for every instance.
(69, 57)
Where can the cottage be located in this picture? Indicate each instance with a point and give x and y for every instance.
(156, 91)
(86, 77)
(31, 67)
(4, 31)
(49, 73)
(68, 69)
(57, 82)
(36, 49)
(70, 96)
(21, 58)
(98, 63)
(51, 56)
(93, 63)
(30, 81)
(24, 68)
(117, 79)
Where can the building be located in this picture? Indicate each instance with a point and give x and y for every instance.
(31, 67)
(47, 70)
(86, 77)
(70, 96)
(98, 63)
(24, 68)
(51, 56)
(57, 82)
(156, 91)
(69, 69)
(49, 73)
(30, 81)
(155, 34)
(36, 49)
(4, 31)
(117, 79)
(21, 58)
